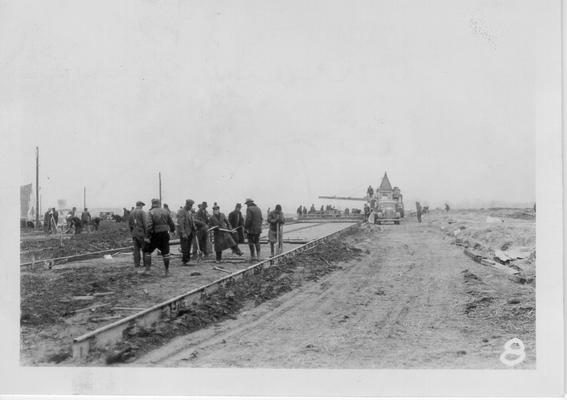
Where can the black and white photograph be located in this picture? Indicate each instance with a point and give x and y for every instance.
(283, 191)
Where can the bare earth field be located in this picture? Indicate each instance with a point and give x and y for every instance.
(110, 235)
(384, 297)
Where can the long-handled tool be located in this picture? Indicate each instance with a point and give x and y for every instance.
(221, 229)
(280, 245)
(199, 253)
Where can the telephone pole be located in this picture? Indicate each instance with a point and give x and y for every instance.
(159, 175)
(37, 187)
(84, 197)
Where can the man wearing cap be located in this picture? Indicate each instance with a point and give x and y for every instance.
(253, 227)
(186, 230)
(236, 220)
(202, 216)
(223, 238)
(276, 220)
(158, 227)
(138, 221)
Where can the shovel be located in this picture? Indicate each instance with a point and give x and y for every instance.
(199, 253)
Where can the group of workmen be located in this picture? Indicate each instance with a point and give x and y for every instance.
(74, 223)
(151, 230)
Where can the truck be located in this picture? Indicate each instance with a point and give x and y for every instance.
(387, 211)
(386, 203)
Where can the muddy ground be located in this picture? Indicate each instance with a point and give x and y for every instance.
(110, 235)
(386, 297)
(71, 299)
(412, 300)
(485, 232)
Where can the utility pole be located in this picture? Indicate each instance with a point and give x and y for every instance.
(37, 187)
(84, 197)
(159, 187)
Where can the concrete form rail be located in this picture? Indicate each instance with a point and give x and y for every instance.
(95, 254)
(169, 309)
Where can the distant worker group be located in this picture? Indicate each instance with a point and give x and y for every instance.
(73, 223)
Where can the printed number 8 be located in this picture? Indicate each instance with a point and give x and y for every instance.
(517, 351)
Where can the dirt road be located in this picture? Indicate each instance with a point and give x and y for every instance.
(413, 301)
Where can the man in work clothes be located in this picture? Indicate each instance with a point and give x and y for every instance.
(138, 222)
(159, 225)
(366, 212)
(55, 219)
(70, 218)
(276, 220)
(253, 227)
(202, 217)
(47, 221)
(236, 220)
(418, 210)
(86, 219)
(223, 239)
(186, 230)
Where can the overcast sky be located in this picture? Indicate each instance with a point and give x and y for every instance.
(281, 101)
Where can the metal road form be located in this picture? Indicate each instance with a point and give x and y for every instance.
(112, 333)
(288, 228)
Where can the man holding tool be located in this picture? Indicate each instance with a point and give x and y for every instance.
(275, 234)
(222, 234)
(253, 227)
(186, 229)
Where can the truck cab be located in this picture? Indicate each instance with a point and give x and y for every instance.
(387, 211)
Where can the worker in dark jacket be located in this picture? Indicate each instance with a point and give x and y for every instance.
(418, 210)
(275, 234)
(47, 221)
(158, 227)
(236, 220)
(202, 220)
(223, 237)
(86, 219)
(96, 223)
(138, 223)
(366, 212)
(55, 215)
(253, 227)
(186, 230)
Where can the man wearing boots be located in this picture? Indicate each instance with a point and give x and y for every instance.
(138, 222)
(186, 230)
(159, 226)
(276, 220)
(223, 237)
(202, 221)
(253, 225)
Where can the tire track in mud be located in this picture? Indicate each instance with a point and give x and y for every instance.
(401, 306)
